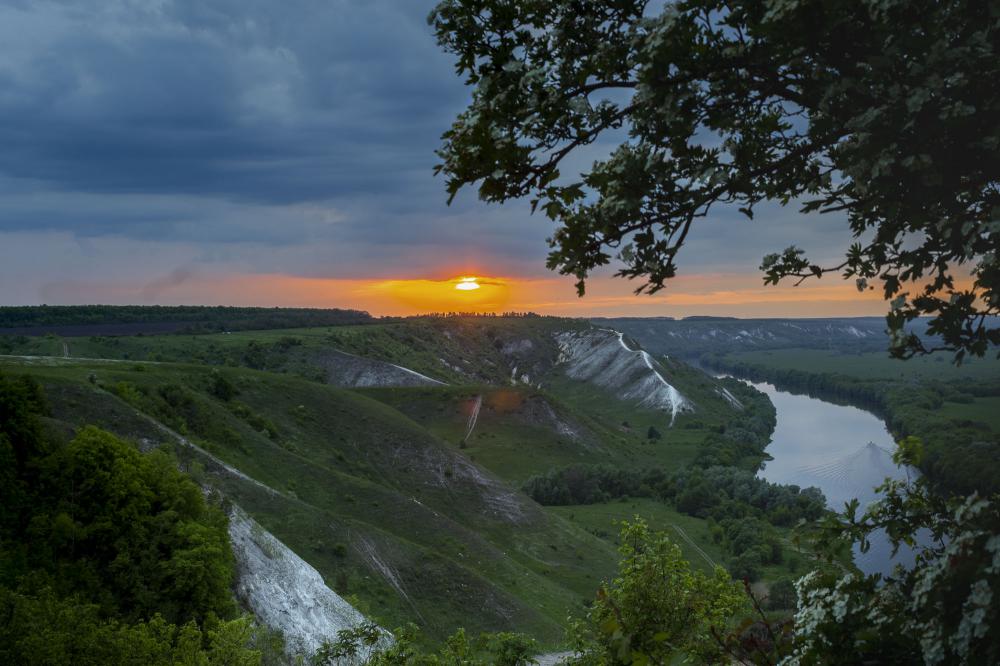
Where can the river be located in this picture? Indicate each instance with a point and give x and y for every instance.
(844, 451)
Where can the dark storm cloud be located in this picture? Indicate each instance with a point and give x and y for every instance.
(291, 137)
(266, 102)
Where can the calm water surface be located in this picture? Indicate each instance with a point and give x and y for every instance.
(844, 451)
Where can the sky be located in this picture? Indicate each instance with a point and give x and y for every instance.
(251, 152)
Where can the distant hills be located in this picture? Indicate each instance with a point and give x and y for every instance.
(694, 336)
(689, 338)
(85, 320)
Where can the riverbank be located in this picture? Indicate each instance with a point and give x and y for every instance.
(958, 420)
(842, 450)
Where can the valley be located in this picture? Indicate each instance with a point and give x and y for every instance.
(951, 408)
(418, 464)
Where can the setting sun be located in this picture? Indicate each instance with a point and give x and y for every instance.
(457, 294)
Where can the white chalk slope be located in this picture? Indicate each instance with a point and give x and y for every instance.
(602, 357)
(284, 592)
(351, 371)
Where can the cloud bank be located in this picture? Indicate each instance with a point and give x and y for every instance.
(172, 143)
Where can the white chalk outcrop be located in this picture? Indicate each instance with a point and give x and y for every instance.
(284, 592)
(602, 357)
(351, 371)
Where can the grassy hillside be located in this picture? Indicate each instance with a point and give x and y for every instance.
(395, 494)
(693, 535)
(518, 430)
(380, 506)
(453, 350)
(522, 431)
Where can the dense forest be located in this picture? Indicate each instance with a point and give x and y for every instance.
(742, 510)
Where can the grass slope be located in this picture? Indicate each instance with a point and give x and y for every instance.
(693, 535)
(380, 506)
(384, 490)
(454, 350)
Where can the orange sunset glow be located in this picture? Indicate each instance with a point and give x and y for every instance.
(733, 294)
(464, 293)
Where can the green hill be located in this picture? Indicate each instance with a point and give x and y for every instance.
(399, 497)
(384, 509)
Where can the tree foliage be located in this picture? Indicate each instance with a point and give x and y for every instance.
(883, 111)
(367, 644)
(44, 628)
(129, 530)
(107, 555)
(657, 607)
(943, 610)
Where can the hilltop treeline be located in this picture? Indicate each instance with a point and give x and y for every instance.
(131, 319)
(483, 315)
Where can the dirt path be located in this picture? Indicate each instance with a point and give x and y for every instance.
(60, 359)
(680, 531)
(183, 441)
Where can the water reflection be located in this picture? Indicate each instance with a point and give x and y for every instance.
(844, 451)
